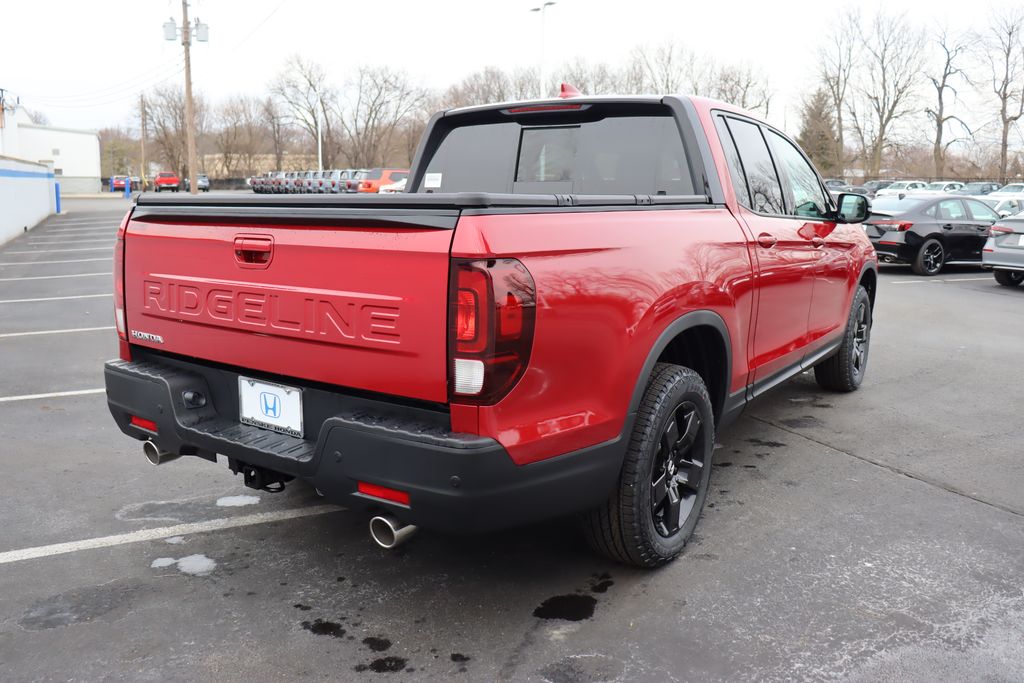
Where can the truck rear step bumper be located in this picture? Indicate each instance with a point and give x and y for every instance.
(455, 482)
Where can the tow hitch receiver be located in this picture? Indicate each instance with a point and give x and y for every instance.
(259, 478)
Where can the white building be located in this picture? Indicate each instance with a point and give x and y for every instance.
(75, 154)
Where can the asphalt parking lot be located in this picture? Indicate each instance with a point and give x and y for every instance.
(871, 536)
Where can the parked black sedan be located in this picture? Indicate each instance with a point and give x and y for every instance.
(929, 232)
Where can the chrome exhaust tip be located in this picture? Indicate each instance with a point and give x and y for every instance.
(389, 533)
(155, 456)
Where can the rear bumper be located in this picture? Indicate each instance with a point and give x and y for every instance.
(456, 482)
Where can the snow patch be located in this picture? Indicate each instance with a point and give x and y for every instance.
(237, 501)
(196, 565)
(175, 540)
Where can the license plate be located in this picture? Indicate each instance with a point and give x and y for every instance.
(271, 406)
(1020, 240)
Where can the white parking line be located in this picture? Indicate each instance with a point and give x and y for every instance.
(40, 242)
(68, 331)
(54, 251)
(53, 394)
(164, 532)
(36, 263)
(939, 282)
(51, 277)
(52, 298)
(74, 231)
(72, 235)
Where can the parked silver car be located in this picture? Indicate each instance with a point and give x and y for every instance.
(1004, 251)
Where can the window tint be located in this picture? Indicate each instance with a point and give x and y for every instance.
(765, 190)
(981, 212)
(732, 157)
(950, 209)
(808, 199)
(399, 175)
(613, 155)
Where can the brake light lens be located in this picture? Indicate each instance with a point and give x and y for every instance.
(1000, 230)
(119, 317)
(895, 226)
(491, 322)
(143, 423)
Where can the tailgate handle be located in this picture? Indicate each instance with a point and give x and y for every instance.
(253, 251)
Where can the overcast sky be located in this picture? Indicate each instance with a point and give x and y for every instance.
(84, 62)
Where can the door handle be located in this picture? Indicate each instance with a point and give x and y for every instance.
(818, 242)
(947, 226)
(253, 251)
(767, 241)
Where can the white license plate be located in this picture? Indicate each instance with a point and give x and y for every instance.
(270, 406)
(1020, 240)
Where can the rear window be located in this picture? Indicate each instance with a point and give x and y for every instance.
(608, 156)
(166, 175)
(375, 174)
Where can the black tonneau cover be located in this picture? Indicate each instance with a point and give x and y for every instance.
(437, 210)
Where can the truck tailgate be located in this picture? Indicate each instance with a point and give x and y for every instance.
(357, 302)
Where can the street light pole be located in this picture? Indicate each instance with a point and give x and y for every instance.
(542, 10)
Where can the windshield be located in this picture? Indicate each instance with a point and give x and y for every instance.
(1012, 188)
(898, 186)
(935, 186)
(895, 204)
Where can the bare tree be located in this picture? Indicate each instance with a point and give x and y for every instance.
(240, 136)
(302, 87)
(742, 86)
(378, 100)
(886, 86)
(952, 50)
(666, 68)
(165, 109)
(1006, 62)
(277, 130)
(836, 63)
(591, 79)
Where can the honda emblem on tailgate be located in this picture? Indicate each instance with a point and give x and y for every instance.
(146, 336)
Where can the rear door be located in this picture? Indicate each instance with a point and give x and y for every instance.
(982, 218)
(346, 301)
(785, 255)
(957, 229)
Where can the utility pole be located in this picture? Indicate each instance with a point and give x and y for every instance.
(190, 122)
(142, 139)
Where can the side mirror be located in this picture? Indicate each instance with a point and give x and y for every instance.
(853, 208)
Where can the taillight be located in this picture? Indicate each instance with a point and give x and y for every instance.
(365, 185)
(1000, 230)
(491, 319)
(894, 226)
(119, 317)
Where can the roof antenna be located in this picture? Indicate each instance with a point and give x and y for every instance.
(567, 91)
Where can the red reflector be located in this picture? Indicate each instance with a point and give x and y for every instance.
(384, 493)
(884, 242)
(544, 107)
(466, 316)
(143, 423)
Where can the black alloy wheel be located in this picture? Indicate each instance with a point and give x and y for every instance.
(677, 471)
(930, 258)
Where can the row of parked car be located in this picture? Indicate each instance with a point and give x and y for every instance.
(336, 181)
(164, 181)
(881, 188)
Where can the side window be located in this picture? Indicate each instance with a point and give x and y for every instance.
(808, 198)
(763, 181)
(732, 157)
(951, 210)
(980, 212)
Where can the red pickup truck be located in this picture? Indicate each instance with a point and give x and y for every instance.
(570, 300)
(166, 180)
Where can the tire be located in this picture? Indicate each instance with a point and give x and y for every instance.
(929, 258)
(634, 526)
(844, 370)
(156, 189)
(1009, 278)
